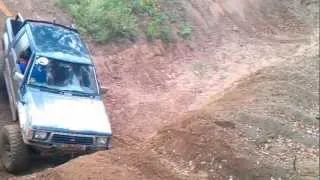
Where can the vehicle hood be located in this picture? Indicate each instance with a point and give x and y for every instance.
(66, 112)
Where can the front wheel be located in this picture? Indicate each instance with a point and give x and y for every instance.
(2, 64)
(13, 151)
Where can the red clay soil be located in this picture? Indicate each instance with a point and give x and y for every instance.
(242, 135)
(151, 85)
(153, 89)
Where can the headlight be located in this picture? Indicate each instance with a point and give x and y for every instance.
(40, 135)
(102, 140)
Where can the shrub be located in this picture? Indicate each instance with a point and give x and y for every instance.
(144, 7)
(166, 34)
(152, 31)
(185, 31)
(104, 20)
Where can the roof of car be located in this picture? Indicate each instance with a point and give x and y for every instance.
(57, 41)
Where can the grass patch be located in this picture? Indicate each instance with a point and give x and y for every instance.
(103, 20)
(157, 22)
(108, 20)
(185, 31)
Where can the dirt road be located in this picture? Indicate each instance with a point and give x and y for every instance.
(155, 85)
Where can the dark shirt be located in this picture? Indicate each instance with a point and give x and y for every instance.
(40, 76)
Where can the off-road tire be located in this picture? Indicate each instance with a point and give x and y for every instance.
(1, 70)
(13, 151)
(2, 67)
(3, 89)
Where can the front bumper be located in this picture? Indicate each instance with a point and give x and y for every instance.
(57, 141)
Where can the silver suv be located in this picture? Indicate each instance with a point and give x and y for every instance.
(53, 91)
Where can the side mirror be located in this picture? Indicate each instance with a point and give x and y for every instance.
(18, 76)
(103, 90)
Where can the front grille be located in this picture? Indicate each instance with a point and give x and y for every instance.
(67, 139)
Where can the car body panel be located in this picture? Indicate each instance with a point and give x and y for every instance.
(68, 112)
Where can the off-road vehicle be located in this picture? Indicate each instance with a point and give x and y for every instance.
(54, 95)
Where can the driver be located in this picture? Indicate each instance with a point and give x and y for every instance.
(59, 74)
(39, 72)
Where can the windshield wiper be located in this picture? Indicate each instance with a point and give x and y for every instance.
(46, 88)
(79, 93)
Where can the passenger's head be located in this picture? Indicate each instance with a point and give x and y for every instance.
(26, 54)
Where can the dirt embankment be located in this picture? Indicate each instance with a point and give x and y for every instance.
(152, 85)
(262, 126)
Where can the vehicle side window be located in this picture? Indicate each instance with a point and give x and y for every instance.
(23, 51)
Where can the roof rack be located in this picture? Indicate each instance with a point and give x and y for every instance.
(53, 23)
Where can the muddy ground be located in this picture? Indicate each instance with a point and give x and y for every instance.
(238, 100)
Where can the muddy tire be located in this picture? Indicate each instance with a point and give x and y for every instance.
(13, 152)
(2, 68)
(3, 90)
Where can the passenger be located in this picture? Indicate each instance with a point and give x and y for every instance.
(39, 72)
(61, 76)
(51, 73)
(23, 65)
(23, 61)
(85, 77)
(77, 74)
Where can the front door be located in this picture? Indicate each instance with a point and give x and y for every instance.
(20, 61)
(19, 53)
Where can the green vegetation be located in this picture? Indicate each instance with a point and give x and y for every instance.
(103, 20)
(185, 31)
(106, 20)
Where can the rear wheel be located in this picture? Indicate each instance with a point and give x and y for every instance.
(13, 152)
(2, 67)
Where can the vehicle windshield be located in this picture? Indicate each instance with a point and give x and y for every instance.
(63, 76)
